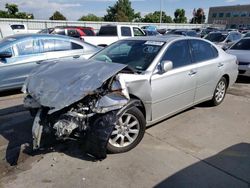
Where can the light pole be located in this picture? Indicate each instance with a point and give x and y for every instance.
(160, 11)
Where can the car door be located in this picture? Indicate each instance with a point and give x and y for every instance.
(205, 56)
(26, 56)
(174, 90)
(56, 48)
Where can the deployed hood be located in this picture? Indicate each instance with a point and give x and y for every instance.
(57, 84)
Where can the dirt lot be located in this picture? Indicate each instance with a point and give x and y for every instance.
(201, 147)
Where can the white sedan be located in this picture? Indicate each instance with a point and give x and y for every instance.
(241, 49)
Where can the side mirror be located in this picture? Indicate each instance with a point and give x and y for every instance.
(4, 55)
(228, 40)
(166, 66)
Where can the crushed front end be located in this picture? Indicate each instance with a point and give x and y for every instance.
(82, 104)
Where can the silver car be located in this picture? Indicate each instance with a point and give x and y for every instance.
(242, 51)
(19, 54)
(140, 81)
(224, 39)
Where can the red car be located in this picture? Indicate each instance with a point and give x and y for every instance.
(74, 31)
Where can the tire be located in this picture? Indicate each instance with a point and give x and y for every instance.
(131, 136)
(219, 92)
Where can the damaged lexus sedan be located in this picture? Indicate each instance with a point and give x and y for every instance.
(109, 100)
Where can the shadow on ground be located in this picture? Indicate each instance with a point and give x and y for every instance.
(16, 129)
(243, 79)
(10, 92)
(228, 168)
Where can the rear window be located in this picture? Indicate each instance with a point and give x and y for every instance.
(16, 26)
(108, 31)
(51, 45)
(243, 44)
(126, 31)
(59, 31)
(216, 37)
(88, 32)
(73, 33)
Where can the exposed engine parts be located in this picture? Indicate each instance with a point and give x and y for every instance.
(94, 116)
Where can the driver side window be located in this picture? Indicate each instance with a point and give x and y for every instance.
(178, 53)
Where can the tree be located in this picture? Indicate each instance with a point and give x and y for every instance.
(198, 16)
(24, 15)
(4, 14)
(90, 17)
(13, 12)
(12, 9)
(180, 17)
(57, 16)
(137, 17)
(155, 17)
(121, 12)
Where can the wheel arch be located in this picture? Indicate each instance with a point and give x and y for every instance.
(226, 76)
(141, 107)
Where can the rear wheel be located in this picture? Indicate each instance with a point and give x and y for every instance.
(128, 132)
(220, 92)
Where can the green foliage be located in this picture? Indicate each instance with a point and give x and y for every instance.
(12, 9)
(199, 16)
(179, 16)
(4, 14)
(121, 12)
(155, 17)
(57, 16)
(13, 12)
(90, 17)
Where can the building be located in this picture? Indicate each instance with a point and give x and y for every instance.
(237, 16)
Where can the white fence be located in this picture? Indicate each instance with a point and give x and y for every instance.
(42, 24)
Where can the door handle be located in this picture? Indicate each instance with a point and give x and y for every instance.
(192, 72)
(76, 56)
(39, 62)
(220, 64)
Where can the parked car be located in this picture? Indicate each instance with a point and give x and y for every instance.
(19, 54)
(207, 30)
(224, 39)
(109, 34)
(184, 32)
(149, 28)
(247, 35)
(74, 31)
(242, 50)
(130, 84)
(19, 28)
(46, 31)
(151, 33)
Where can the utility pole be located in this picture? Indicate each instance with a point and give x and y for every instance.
(160, 11)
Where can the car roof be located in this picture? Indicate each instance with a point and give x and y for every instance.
(160, 38)
(36, 35)
(10, 40)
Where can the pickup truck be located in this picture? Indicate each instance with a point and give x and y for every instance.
(109, 34)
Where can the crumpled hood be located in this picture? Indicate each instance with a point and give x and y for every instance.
(57, 84)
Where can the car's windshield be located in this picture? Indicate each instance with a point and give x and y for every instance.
(243, 44)
(216, 37)
(138, 54)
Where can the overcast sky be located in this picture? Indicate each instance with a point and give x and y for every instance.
(74, 9)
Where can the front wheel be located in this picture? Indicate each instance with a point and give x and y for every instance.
(220, 92)
(128, 132)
